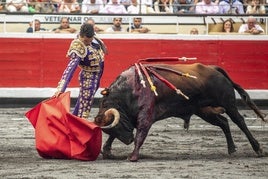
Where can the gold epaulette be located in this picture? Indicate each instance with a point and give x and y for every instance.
(78, 48)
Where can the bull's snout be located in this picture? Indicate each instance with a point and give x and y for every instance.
(98, 120)
(109, 119)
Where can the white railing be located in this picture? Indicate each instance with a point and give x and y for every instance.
(3, 20)
(177, 21)
(79, 19)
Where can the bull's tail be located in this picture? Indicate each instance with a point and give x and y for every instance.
(244, 95)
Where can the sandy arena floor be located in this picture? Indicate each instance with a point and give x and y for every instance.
(168, 152)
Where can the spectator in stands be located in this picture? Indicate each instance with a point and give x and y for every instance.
(17, 6)
(69, 6)
(137, 26)
(96, 28)
(206, 7)
(183, 7)
(265, 3)
(2, 5)
(225, 7)
(228, 26)
(92, 6)
(37, 27)
(117, 25)
(114, 7)
(46, 7)
(148, 6)
(136, 8)
(34, 6)
(255, 7)
(251, 26)
(64, 26)
(194, 31)
(163, 6)
(126, 3)
(56, 4)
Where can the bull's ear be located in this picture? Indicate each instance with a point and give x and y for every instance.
(105, 92)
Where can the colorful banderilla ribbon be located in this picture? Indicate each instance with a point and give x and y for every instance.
(170, 85)
(176, 72)
(153, 88)
(140, 75)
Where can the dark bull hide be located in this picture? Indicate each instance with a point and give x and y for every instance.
(208, 95)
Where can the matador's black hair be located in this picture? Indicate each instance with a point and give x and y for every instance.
(87, 30)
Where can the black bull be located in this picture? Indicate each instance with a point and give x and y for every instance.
(210, 94)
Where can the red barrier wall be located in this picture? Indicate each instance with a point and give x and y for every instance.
(39, 62)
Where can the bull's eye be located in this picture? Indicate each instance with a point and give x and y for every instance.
(105, 92)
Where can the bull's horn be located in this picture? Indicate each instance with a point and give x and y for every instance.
(115, 113)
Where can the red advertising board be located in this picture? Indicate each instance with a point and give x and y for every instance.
(39, 62)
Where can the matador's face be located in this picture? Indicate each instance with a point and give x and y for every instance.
(86, 40)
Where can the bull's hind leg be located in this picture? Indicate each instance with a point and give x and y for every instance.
(240, 122)
(222, 122)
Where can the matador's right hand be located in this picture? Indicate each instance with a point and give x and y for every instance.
(57, 94)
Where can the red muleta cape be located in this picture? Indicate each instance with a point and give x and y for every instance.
(62, 135)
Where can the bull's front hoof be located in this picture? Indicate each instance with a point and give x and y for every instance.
(232, 150)
(107, 155)
(110, 156)
(133, 158)
(260, 153)
(186, 126)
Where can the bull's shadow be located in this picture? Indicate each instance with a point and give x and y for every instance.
(173, 156)
(170, 142)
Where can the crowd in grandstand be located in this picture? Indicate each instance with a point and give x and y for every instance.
(136, 6)
(251, 26)
(65, 26)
